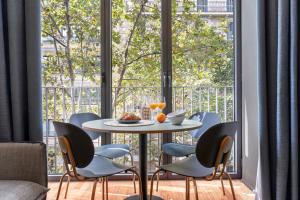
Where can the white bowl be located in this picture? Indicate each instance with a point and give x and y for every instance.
(177, 120)
(176, 113)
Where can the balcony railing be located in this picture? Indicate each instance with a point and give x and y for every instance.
(216, 6)
(209, 7)
(59, 103)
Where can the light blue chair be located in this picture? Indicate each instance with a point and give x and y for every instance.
(208, 120)
(209, 160)
(110, 151)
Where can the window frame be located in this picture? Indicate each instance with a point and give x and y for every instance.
(166, 76)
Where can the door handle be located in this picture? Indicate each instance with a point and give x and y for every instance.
(165, 80)
(103, 77)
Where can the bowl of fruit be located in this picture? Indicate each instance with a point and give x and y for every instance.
(129, 118)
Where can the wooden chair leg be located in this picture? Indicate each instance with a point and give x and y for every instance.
(221, 178)
(140, 187)
(195, 188)
(103, 192)
(67, 188)
(106, 187)
(140, 183)
(60, 184)
(157, 182)
(100, 181)
(187, 188)
(231, 185)
(157, 176)
(133, 178)
(94, 189)
(152, 180)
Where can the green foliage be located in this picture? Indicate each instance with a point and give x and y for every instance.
(201, 52)
(74, 31)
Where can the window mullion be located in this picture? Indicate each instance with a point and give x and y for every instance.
(106, 65)
(166, 63)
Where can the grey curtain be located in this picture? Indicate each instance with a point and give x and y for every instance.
(20, 71)
(278, 86)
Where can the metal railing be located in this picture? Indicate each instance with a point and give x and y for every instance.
(59, 103)
(212, 6)
(216, 6)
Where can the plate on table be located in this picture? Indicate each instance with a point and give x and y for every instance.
(122, 121)
(130, 124)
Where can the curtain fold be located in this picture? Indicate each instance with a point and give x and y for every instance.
(20, 71)
(278, 90)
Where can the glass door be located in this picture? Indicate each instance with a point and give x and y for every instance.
(136, 68)
(203, 62)
(71, 70)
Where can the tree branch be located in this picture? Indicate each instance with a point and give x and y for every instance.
(68, 47)
(194, 49)
(55, 25)
(142, 56)
(55, 38)
(133, 29)
(58, 59)
(52, 19)
(123, 69)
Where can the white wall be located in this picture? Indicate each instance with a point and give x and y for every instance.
(249, 92)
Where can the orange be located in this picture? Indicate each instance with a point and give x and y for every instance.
(161, 117)
(153, 106)
(161, 105)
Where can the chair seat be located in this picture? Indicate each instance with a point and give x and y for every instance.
(178, 150)
(112, 150)
(190, 167)
(101, 167)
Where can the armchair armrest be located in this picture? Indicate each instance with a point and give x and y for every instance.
(24, 161)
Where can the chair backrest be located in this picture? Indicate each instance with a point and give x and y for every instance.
(81, 145)
(79, 118)
(208, 120)
(214, 146)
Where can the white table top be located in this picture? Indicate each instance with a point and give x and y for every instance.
(167, 127)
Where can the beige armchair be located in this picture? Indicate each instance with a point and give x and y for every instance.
(23, 171)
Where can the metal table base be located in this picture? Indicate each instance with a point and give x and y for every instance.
(143, 170)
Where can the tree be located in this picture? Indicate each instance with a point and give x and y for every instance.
(73, 28)
(200, 52)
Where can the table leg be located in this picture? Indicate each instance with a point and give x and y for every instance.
(143, 163)
(143, 169)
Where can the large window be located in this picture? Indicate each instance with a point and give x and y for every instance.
(180, 51)
(202, 62)
(71, 66)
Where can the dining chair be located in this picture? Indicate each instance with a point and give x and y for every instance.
(208, 120)
(80, 161)
(110, 151)
(211, 156)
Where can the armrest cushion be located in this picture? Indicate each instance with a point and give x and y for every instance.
(24, 161)
(22, 190)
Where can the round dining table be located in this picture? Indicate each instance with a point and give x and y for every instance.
(107, 126)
